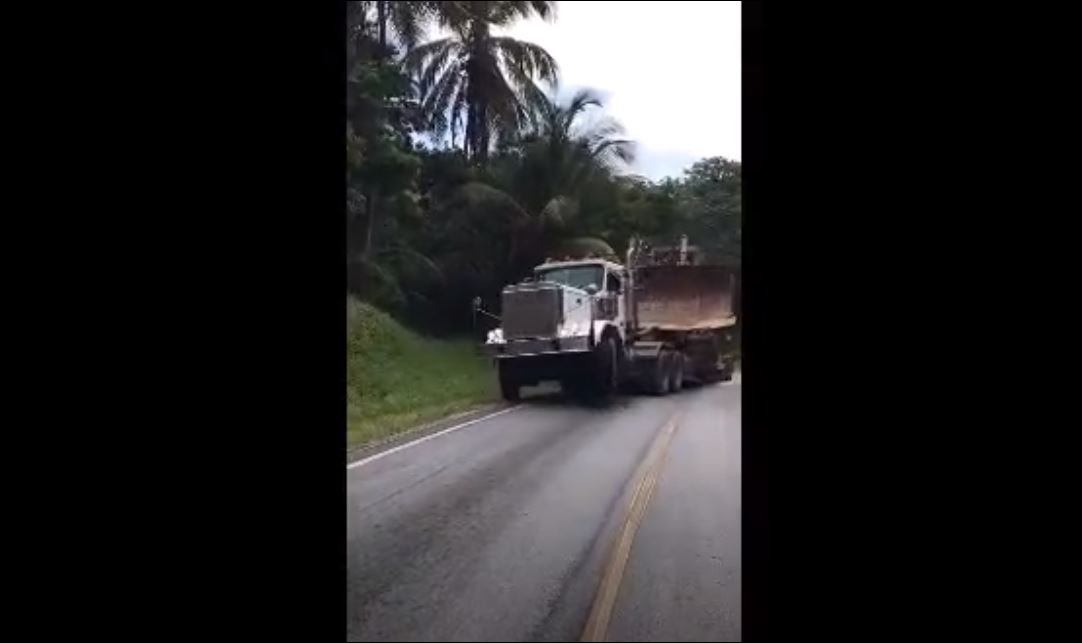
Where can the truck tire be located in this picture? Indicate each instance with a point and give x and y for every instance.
(510, 386)
(676, 381)
(725, 372)
(659, 376)
(606, 374)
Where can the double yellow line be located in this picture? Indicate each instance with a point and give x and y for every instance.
(649, 471)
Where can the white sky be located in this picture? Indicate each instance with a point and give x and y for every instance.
(670, 72)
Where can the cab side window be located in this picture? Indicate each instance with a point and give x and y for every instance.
(612, 284)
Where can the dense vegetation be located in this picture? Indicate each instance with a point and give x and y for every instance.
(399, 379)
(464, 170)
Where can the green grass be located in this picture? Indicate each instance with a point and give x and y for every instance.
(397, 379)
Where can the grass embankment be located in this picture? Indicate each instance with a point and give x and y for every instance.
(397, 379)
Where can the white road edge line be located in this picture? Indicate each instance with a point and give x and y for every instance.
(377, 456)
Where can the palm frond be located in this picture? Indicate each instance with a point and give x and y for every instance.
(417, 60)
(477, 194)
(603, 129)
(458, 109)
(585, 246)
(560, 211)
(505, 111)
(453, 15)
(579, 102)
(439, 99)
(545, 9)
(536, 105)
(438, 65)
(531, 58)
(504, 13)
(408, 20)
(615, 151)
(414, 260)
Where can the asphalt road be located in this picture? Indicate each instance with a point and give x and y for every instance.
(554, 522)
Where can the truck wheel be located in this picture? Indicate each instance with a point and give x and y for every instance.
(725, 373)
(677, 378)
(659, 382)
(510, 387)
(607, 371)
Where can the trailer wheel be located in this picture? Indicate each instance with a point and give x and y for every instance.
(659, 380)
(725, 372)
(510, 386)
(677, 378)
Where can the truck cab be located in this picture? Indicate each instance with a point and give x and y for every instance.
(553, 322)
(601, 280)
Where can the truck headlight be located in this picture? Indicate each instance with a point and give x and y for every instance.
(495, 336)
(570, 330)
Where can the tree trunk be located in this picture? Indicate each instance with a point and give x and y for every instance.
(381, 20)
(482, 134)
(371, 204)
(468, 132)
(470, 142)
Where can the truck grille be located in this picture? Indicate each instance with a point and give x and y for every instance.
(531, 312)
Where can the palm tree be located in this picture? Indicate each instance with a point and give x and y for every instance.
(378, 108)
(562, 157)
(405, 21)
(572, 151)
(483, 82)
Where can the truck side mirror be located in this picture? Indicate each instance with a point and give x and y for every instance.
(591, 289)
(477, 303)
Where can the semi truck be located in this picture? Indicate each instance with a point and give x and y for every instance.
(664, 318)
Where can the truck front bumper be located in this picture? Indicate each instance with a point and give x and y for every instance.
(531, 347)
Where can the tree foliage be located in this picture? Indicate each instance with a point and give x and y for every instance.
(710, 204)
(479, 83)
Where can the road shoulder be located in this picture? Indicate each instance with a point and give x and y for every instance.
(360, 452)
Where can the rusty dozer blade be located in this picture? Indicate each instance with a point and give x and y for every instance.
(685, 297)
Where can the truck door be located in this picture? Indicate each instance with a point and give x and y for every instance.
(613, 290)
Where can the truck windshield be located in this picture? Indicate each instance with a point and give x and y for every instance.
(575, 276)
